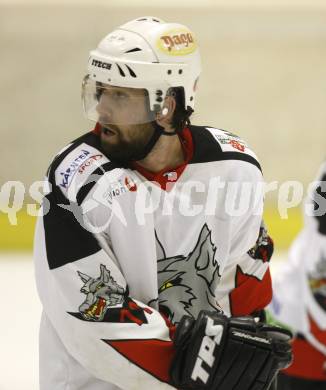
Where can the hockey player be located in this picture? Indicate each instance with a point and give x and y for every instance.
(151, 232)
(299, 299)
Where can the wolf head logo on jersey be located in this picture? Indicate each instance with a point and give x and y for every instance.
(101, 293)
(187, 283)
(107, 301)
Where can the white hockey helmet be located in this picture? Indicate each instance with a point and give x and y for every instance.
(145, 53)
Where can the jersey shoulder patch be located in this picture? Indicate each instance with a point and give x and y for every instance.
(76, 163)
(230, 142)
(79, 163)
(215, 144)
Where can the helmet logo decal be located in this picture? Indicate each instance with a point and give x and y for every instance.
(101, 64)
(177, 42)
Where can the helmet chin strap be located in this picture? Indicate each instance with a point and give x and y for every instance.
(158, 131)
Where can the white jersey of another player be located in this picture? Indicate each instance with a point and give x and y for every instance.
(299, 290)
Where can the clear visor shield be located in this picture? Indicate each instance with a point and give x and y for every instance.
(113, 105)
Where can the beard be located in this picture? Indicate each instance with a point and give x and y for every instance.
(122, 150)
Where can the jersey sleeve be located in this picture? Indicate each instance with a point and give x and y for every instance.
(246, 279)
(300, 283)
(85, 295)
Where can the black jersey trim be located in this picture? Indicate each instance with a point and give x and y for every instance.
(241, 157)
(66, 239)
(207, 149)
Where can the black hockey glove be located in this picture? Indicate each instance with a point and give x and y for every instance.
(219, 353)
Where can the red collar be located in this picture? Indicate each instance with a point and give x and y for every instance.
(97, 129)
(171, 174)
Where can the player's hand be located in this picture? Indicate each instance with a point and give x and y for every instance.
(219, 353)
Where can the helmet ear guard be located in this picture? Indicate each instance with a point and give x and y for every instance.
(165, 111)
(165, 115)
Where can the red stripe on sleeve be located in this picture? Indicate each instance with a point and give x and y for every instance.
(250, 294)
(153, 356)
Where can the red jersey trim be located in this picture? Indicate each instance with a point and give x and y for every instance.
(168, 175)
(320, 334)
(308, 363)
(250, 294)
(97, 129)
(153, 356)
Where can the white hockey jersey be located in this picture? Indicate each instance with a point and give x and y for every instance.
(122, 254)
(299, 289)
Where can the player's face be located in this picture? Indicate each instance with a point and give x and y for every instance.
(124, 116)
